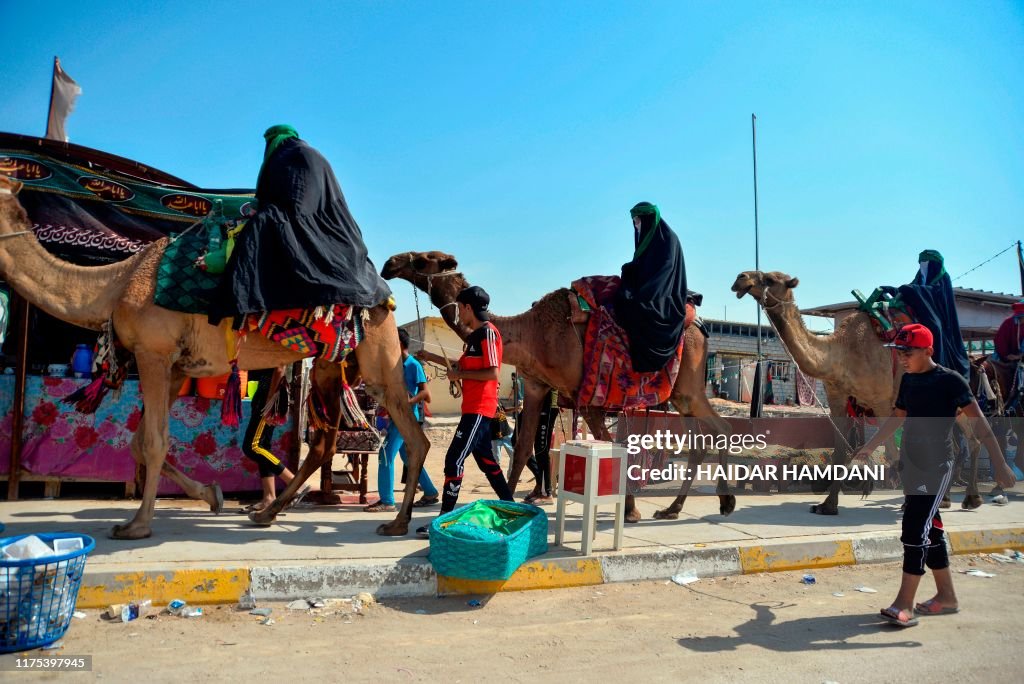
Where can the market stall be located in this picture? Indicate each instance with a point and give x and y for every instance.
(89, 208)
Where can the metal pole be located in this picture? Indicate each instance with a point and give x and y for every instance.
(755, 402)
(1020, 265)
(18, 418)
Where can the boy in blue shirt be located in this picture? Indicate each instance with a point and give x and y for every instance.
(416, 385)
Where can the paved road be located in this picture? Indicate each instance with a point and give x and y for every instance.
(764, 628)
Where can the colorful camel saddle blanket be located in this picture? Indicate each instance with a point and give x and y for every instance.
(329, 333)
(609, 380)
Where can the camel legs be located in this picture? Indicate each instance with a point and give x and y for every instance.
(328, 381)
(840, 456)
(151, 441)
(391, 393)
(526, 427)
(695, 458)
(210, 493)
(972, 497)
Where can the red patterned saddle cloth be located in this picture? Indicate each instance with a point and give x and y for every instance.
(609, 380)
(329, 333)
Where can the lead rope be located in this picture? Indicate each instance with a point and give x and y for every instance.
(454, 386)
(764, 305)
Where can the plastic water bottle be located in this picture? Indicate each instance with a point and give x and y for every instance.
(133, 610)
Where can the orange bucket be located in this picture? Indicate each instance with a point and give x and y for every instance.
(186, 388)
(214, 387)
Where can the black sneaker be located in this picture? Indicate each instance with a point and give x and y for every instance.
(423, 532)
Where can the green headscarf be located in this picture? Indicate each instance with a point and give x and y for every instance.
(274, 136)
(644, 209)
(936, 272)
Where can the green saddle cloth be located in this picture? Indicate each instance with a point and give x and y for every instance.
(180, 284)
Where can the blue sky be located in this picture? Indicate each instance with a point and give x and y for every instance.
(518, 135)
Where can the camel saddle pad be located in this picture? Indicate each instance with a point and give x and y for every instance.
(180, 284)
(330, 333)
(609, 380)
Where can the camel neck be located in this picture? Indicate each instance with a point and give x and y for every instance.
(810, 351)
(83, 296)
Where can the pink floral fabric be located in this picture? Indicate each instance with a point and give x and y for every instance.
(57, 440)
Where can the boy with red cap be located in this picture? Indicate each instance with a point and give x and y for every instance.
(929, 396)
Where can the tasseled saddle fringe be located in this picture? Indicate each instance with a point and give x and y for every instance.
(231, 406)
(276, 410)
(108, 372)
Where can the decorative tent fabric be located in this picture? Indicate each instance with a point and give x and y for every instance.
(88, 206)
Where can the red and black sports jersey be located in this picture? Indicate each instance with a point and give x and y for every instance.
(483, 350)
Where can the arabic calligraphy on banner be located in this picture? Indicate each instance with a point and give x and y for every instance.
(23, 169)
(106, 189)
(187, 204)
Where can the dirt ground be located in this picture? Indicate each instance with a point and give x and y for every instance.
(765, 628)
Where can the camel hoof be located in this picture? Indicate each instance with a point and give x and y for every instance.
(727, 504)
(946, 502)
(824, 509)
(393, 529)
(129, 532)
(667, 514)
(971, 501)
(217, 506)
(263, 518)
(633, 516)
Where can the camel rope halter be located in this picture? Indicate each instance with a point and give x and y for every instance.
(780, 303)
(454, 386)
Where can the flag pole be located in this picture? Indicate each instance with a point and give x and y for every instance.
(756, 398)
(53, 84)
(1020, 265)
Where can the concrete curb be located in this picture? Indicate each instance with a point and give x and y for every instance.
(415, 577)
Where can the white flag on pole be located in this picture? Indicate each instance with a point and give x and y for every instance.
(62, 100)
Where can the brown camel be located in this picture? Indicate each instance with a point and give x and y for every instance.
(849, 362)
(169, 346)
(546, 348)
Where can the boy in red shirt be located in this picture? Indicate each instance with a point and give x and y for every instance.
(478, 369)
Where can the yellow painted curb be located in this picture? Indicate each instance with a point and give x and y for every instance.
(796, 556)
(194, 586)
(536, 575)
(987, 541)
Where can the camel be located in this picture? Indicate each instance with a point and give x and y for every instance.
(169, 346)
(546, 347)
(849, 362)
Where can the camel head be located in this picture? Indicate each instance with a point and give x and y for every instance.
(770, 288)
(9, 186)
(434, 273)
(416, 266)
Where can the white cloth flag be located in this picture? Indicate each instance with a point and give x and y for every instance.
(62, 100)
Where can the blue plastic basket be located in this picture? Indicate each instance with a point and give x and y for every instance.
(495, 556)
(38, 595)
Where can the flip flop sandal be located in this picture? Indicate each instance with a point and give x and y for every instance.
(892, 616)
(933, 607)
(246, 510)
(425, 501)
(379, 508)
